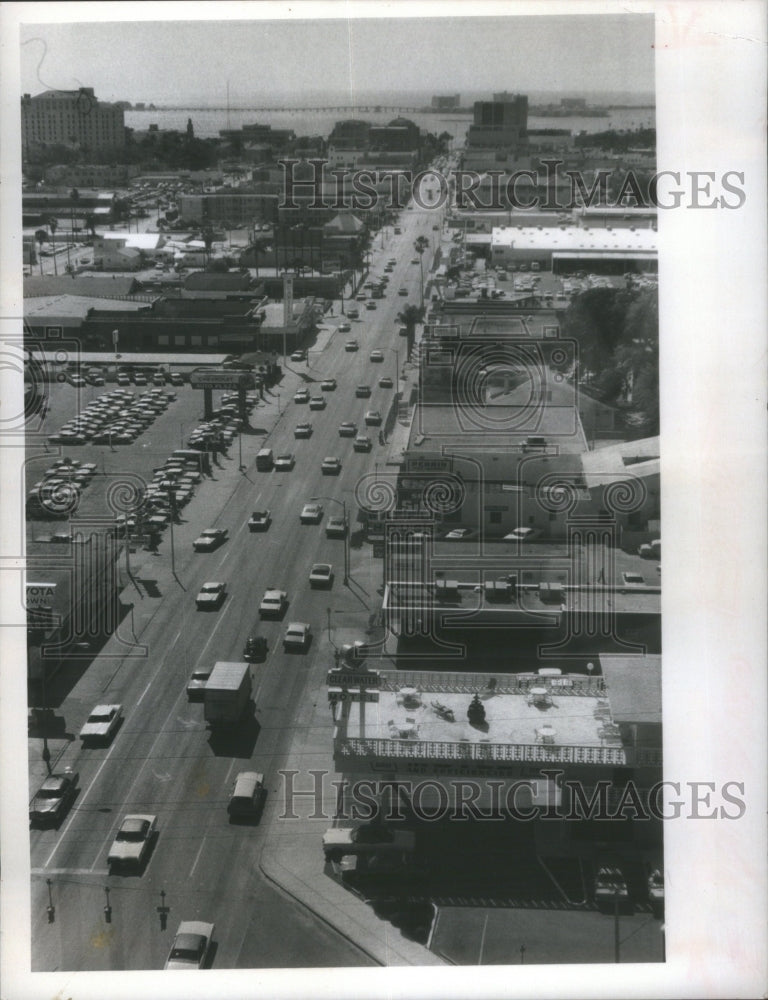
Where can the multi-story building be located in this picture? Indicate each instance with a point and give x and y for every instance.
(499, 124)
(72, 118)
(446, 103)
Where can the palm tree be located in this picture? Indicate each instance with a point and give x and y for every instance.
(207, 235)
(409, 317)
(74, 197)
(90, 223)
(50, 221)
(420, 246)
(40, 237)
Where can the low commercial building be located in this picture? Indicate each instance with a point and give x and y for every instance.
(520, 741)
(563, 247)
(230, 285)
(96, 175)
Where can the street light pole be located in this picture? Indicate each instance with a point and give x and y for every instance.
(173, 518)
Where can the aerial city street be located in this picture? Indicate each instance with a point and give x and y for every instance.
(343, 534)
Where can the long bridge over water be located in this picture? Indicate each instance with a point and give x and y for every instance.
(335, 108)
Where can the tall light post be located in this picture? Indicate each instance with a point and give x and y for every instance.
(397, 367)
(343, 504)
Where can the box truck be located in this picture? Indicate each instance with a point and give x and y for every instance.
(227, 693)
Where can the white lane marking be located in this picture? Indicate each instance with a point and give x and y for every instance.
(235, 536)
(82, 799)
(141, 696)
(197, 858)
(218, 625)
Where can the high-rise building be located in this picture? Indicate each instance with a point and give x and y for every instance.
(499, 124)
(72, 118)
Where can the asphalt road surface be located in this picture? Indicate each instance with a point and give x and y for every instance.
(164, 761)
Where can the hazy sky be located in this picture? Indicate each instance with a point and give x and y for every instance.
(170, 62)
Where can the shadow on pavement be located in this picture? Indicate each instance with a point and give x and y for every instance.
(236, 740)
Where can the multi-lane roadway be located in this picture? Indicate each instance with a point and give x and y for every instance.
(163, 761)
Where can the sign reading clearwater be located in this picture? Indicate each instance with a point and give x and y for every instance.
(212, 378)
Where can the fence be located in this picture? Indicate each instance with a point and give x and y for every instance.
(443, 681)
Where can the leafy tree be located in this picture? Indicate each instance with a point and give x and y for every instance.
(617, 331)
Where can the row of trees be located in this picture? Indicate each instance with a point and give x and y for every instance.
(617, 332)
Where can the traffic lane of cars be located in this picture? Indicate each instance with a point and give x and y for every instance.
(187, 747)
(299, 583)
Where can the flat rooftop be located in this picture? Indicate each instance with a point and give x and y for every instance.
(495, 420)
(573, 238)
(539, 717)
(493, 602)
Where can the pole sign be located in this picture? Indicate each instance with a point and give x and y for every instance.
(287, 299)
(40, 595)
(207, 378)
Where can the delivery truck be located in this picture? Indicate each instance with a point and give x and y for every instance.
(227, 693)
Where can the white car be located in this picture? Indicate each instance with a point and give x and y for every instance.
(373, 418)
(196, 683)
(301, 396)
(371, 839)
(284, 463)
(303, 430)
(259, 520)
(321, 575)
(132, 842)
(521, 535)
(330, 466)
(328, 384)
(297, 636)
(247, 797)
(191, 946)
(344, 327)
(335, 527)
(317, 403)
(211, 595)
(273, 603)
(376, 356)
(210, 539)
(102, 724)
(460, 534)
(311, 513)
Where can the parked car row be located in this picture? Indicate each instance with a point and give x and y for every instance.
(115, 417)
(170, 489)
(57, 494)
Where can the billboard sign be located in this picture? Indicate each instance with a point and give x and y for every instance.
(209, 378)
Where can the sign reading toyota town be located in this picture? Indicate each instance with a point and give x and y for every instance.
(40, 595)
(207, 378)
